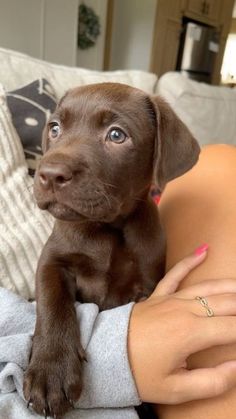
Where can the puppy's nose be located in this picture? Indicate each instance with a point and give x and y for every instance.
(54, 176)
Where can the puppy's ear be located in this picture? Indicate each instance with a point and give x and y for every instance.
(176, 150)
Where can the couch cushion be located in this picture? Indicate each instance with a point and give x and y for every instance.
(23, 227)
(17, 69)
(208, 111)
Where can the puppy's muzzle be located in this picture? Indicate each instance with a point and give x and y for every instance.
(54, 176)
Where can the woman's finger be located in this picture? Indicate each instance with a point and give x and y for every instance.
(208, 287)
(203, 383)
(215, 305)
(171, 280)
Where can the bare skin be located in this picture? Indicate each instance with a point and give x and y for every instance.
(200, 207)
(169, 326)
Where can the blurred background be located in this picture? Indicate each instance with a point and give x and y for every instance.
(196, 37)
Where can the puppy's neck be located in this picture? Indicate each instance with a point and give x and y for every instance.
(119, 222)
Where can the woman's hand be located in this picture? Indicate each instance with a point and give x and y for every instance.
(170, 325)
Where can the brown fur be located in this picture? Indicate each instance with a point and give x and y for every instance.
(107, 245)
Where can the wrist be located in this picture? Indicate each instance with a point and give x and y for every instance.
(136, 351)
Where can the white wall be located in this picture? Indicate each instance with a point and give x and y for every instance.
(45, 29)
(60, 31)
(21, 25)
(133, 24)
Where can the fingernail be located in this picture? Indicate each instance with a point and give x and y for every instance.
(201, 249)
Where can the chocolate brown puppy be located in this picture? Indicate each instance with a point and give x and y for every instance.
(103, 148)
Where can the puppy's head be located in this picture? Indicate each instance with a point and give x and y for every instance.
(103, 148)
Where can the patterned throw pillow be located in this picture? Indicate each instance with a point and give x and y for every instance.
(30, 107)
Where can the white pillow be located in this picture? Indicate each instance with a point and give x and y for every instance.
(17, 69)
(23, 227)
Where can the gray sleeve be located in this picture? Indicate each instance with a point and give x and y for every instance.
(108, 381)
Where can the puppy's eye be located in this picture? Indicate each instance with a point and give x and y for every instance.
(116, 135)
(54, 130)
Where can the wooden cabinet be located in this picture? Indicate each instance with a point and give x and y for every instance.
(213, 9)
(169, 53)
(167, 30)
(168, 26)
(206, 10)
(197, 7)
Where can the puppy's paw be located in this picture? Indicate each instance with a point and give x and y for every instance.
(53, 380)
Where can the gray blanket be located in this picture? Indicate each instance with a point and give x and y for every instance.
(109, 389)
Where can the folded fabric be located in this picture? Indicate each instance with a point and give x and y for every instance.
(108, 382)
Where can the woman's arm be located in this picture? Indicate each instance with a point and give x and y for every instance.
(200, 207)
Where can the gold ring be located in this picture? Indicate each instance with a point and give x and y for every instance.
(204, 303)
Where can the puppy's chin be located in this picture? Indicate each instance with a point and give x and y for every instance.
(63, 212)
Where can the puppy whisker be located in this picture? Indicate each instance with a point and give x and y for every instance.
(106, 197)
(108, 184)
(140, 199)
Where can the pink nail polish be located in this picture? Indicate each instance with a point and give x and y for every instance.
(201, 249)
